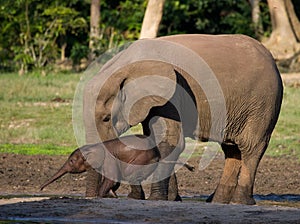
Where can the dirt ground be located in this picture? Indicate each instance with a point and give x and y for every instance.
(277, 185)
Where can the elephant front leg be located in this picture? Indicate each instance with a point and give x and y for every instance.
(137, 192)
(173, 194)
(93, 180)
(167, 133)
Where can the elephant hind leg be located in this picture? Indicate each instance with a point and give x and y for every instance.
(229, 179)
(244, 191)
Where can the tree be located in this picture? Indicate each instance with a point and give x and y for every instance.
(33, 33)
(285, 36)
(94, 26)
(152, 18)
(256, 18)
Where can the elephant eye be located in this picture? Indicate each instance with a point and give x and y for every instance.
(72, 161)
(106, 118)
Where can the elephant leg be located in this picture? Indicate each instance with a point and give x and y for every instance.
(93, 180)
(159, 189)
(105, 187)
(173, 194)
(229, 179)
(137, 192)
(168, 134)
(244, 190)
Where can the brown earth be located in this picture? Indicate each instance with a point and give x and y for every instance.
(21, 176)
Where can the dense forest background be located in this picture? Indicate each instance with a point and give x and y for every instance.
(52, 34)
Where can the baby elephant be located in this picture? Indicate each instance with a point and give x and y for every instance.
(131, 158)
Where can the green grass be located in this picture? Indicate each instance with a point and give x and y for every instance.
(35, 88)
(31, 123)
(33, 149)
(29, 116)
(285, 140)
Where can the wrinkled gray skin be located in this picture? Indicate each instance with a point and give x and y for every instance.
(252, 90)
(115, 168)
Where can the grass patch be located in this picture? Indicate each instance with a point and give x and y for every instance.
(36, 88)
(36, 113)
(33, 149)
(285, 140)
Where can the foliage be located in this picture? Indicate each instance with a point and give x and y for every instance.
(36, 33)
(121, 22)
(34, 29)
(207, 16)
(265, 18)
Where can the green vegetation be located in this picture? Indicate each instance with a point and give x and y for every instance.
(37, 110)
(35, 34)
(32, 149)
(36, 117)
(285, 140)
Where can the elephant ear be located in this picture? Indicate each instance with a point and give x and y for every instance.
(94, 155)
(144, 85)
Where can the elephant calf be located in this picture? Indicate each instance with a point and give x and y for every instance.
(131, 158)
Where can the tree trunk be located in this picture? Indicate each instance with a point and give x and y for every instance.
(63, 52)
(282, 42)
(293, 18)
(94, 26)
(152, 18)
(256, 18)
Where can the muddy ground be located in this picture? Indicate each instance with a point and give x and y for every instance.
(277, 191)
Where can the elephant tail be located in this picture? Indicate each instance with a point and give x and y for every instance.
(186, 165)
(189, 167)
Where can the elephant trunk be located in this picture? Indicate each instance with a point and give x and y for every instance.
(59, 174)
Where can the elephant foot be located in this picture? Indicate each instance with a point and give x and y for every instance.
(177, 198)
(136, 192)
(173, 195)
(210, 198)
(223, 194)
(159, 190)
(134, 195)
(242, 196)
(111, 194)
(157, 196)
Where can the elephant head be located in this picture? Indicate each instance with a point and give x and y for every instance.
(76, 163)
(126, 97)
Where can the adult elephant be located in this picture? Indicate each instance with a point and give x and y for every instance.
(223, 88)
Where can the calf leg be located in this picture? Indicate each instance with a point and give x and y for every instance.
(93, 180)
(105, 187)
